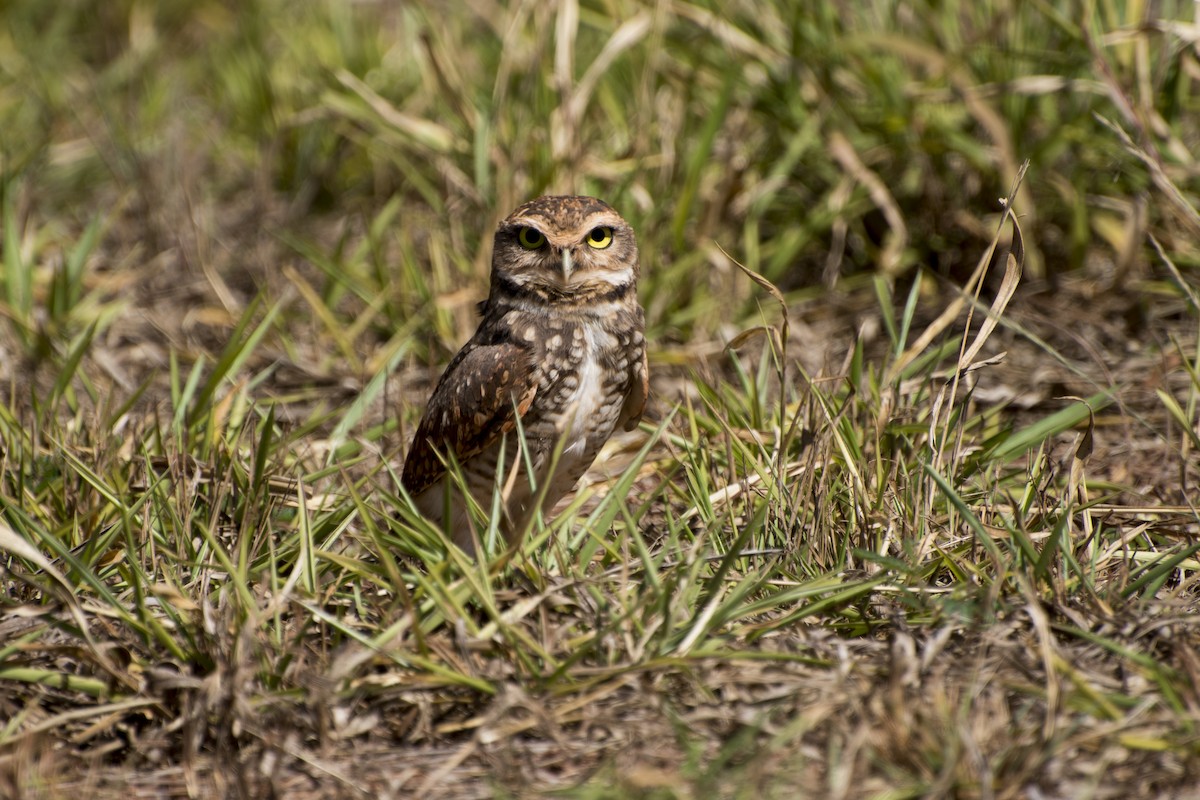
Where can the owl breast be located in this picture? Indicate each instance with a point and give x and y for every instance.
(587, 399)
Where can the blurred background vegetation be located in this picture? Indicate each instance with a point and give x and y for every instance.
(812, 141)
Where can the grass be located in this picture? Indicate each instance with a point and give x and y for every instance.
(912, 512)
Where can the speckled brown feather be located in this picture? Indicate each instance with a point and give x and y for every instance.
(475, 403)
(635, 401)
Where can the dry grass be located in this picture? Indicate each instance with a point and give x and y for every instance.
(913, 513)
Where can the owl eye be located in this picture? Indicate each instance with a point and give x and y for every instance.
(530, 238)
(600, 238)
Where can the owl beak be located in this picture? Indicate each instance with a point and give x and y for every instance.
(567, 265)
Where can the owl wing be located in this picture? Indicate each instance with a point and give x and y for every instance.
(478, 399)
(635, 401)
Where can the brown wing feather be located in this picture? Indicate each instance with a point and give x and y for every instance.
(635, 401)
(476, 401)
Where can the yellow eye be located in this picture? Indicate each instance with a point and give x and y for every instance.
(530, 238)
(600, 238)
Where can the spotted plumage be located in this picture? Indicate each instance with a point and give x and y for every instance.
(560, 348)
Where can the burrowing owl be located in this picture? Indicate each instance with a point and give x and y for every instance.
(561, 346)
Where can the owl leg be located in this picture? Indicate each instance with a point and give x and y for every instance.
(443, 504)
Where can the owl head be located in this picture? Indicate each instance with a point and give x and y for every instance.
(565, 249)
